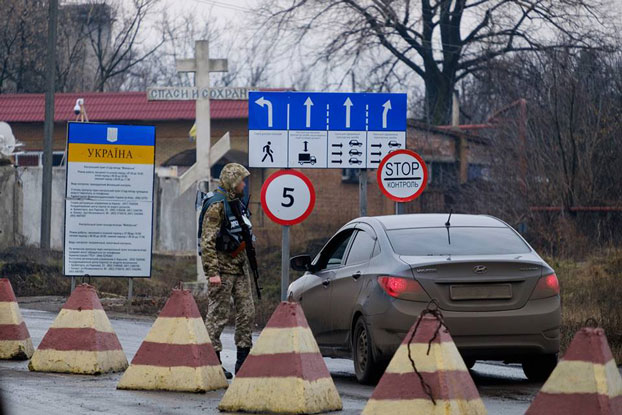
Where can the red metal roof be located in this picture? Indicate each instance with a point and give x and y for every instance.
(112, 106)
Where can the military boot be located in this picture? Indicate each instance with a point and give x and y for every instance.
(228, 374)
(242, 355)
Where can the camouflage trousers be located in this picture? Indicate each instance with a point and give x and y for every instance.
(219, 297)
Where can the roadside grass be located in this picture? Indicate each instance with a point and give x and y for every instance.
(33, 272)
(590, 288)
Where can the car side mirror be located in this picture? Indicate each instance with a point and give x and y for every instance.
(300, 263)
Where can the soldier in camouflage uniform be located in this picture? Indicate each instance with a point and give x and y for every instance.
(227, 272)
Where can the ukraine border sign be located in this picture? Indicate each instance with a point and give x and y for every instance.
(109, 200)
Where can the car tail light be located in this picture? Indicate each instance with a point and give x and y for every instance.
(403, 288)
(548, 286)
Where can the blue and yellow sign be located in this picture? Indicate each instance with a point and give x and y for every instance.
(109, 200)
(110, 143)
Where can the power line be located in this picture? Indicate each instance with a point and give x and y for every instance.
(225, 5)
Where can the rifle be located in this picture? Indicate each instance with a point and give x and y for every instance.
(247, 244)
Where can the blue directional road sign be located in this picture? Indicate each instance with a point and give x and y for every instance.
(324, 130)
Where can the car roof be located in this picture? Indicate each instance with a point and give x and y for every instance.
(427, 220)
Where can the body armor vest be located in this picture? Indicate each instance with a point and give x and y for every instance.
(229, 237)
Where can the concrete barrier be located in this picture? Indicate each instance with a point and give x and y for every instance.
(585, 381)
(177, 354)
(81, 339)
(442, 385)
(15, 342)
(284, 372)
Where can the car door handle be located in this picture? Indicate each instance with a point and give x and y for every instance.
(326, 283)
(356, 275)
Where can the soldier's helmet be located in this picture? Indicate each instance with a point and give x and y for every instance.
(231, 175)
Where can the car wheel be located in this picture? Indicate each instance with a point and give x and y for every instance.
(367, 369)
(539, 368)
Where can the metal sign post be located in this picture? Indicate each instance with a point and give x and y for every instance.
(284, 261)
(287, 198)
(363, 192)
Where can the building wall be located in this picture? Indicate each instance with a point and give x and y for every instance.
(172, 137)
(29, 182)
(7, 206)
(337, 201)
(175, 217)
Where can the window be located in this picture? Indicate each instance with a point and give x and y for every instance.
(456, 241)
(332, 255)
(362, 248)
(336, 257)
(478, 171)
(442, 174)
(35, 158)
(27, 159)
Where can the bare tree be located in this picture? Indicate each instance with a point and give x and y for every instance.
(250, 63)
(99, 42)
(22, 42)
(117, 38)
(440, 41)
(573, 143)
(249, 58)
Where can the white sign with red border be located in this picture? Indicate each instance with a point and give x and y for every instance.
(287, 197)
(402, 175)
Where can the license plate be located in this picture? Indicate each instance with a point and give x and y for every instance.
(480, 292)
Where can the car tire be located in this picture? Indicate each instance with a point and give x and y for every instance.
(539, 368)
(367, 369)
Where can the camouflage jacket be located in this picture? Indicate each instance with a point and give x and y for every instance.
(217, 262)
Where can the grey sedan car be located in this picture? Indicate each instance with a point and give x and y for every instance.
(367, 286)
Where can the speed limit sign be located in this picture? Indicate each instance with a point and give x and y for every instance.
(287, 197)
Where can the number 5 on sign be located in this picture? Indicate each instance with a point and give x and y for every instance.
(287, 190)
(287, 197)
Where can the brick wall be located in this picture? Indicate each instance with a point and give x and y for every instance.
(337, 202)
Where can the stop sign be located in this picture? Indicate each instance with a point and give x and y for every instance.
(402, 175)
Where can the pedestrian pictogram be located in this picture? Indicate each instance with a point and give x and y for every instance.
(287, 197)
(402, 175)
(268, 153)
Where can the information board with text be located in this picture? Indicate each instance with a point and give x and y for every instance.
(109, 200)
(324, 130)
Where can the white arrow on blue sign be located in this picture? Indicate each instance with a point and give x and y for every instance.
(324, 130)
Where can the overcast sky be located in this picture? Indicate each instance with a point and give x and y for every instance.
(218, 8)
(236, 17)
(235, 24)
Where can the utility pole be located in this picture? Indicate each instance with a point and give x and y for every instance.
(362, 192)
(362, 172)
(48, 127)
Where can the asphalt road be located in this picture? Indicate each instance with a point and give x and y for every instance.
(504, 389)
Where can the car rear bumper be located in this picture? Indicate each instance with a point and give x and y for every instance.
(495, 335)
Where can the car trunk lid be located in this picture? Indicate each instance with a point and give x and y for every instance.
(485, 283)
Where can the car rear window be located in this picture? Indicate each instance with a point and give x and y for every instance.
(456, 241)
